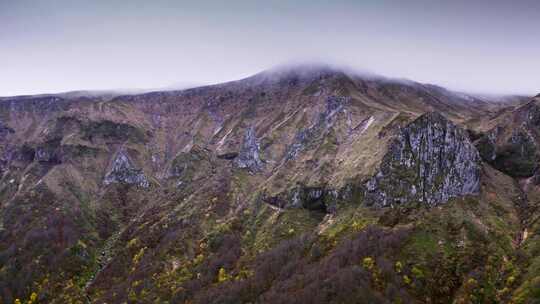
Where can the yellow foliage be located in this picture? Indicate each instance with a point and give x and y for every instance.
(356, 226)
(471, 282)
(222, 275)
(417, 272)
(17, 301)
(399, 267)
(406, 280)
(510, 280)
(132, 296)
(244, 274)
(137, 257)
(368, 263)
(81, 244)
(198, 259)
(133, 242)
(33, 297)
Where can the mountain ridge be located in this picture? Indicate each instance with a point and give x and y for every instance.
(243, 191)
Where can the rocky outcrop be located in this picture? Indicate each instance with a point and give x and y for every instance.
(315, 198)
(49, 152)
(487, 145)
(5, 130)
(333, 106)
(249, 156)
(430, 161)
(512, 146)
(519, 156)
(311, 198)
(123, 171)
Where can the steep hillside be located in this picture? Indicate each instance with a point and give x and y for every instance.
(304, 185)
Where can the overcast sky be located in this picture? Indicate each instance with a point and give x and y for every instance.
(489, 46)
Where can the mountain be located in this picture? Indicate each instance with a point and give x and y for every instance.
(303, 184)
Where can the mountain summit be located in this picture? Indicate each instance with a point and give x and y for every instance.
(302, 184)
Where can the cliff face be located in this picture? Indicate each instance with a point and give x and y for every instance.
(249, 157)
(243, 191)
(430, 161)
(512, 145)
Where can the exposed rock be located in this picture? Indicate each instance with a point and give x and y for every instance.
(300, 141)
(45, 155)
(249, 154)
(363, 126)
(5, 130)
(49, 152)
(25, 154)
(519, 156)
(430, 161)
(311, 198)
(487, 145)
(123, 171)
(511, 147)
(532, 113)
(334, 105)
(315, 198)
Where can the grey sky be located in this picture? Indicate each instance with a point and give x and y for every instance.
(60, 45)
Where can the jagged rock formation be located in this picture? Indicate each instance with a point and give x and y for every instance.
(512, 145)
(325, 120)
(123, 171)
(311, 198)
(316, 198)
(430, 161)
(249, 156)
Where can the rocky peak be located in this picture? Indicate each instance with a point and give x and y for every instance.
(123, 171)
(430, 161)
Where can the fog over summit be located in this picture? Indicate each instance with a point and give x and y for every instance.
(480, 46)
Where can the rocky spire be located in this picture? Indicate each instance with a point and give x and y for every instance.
(123, 171)
(249, 154)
